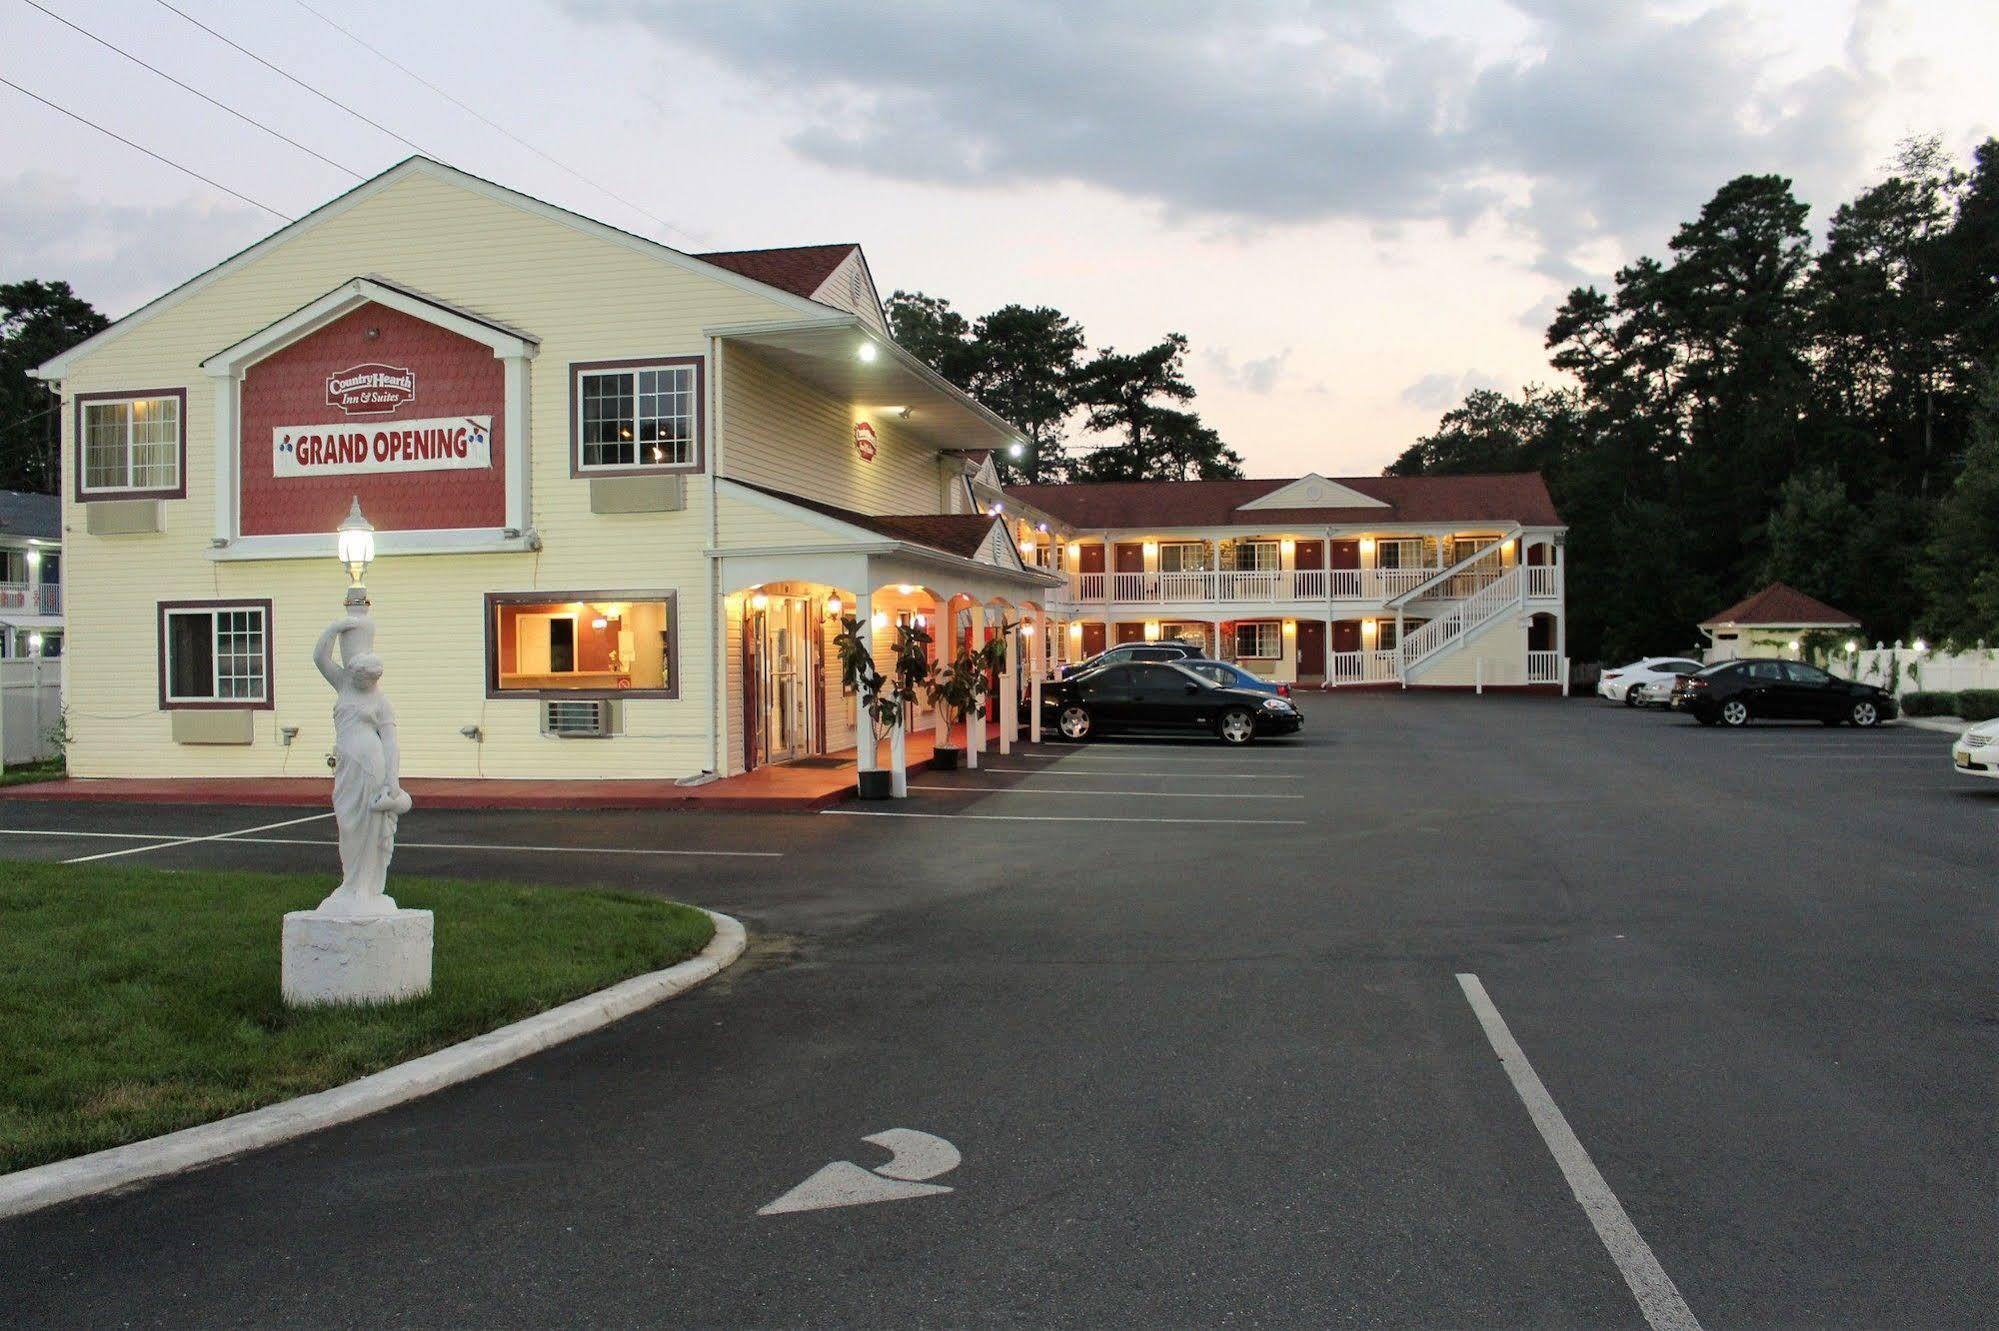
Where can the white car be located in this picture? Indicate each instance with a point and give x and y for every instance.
(1618, 685)
(1976, 752)
(1652, 692)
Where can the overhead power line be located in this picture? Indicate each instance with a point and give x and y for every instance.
(218, 105)
(485, 119)
(168, 161)
(411, 144)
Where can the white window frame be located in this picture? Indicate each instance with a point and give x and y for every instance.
(1276, 632)
(1414, 560)
(89, 406)
(1276, 549)
(687, 373)
(1199, 548)
(218, 659)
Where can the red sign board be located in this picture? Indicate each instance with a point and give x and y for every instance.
(864, 440)
(371, 390)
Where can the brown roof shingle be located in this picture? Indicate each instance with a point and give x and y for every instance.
(799, 269)
(1781, 603)
(1514, 497)
(960, 534)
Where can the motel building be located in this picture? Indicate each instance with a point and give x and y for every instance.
(621, 497)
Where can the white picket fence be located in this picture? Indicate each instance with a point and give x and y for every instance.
(1914, 668)
(30, 707)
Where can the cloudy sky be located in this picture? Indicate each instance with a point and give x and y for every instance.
(1356, 211)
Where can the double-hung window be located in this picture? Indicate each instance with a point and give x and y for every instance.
(215, 654)
(1399, 552)
(638, 417)
(1259, 557)
(130, 446)
(1182, 557)
(1259, 641)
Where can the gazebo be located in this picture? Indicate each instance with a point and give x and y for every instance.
(1773, 622)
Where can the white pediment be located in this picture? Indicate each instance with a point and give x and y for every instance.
(1314, 491)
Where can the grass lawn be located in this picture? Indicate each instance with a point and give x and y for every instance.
(22, 773)
(138, 1001)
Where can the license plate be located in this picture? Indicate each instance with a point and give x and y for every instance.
(1964, 760)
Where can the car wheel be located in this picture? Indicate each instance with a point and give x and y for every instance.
(1735, 712)
(1864, 714)
(1236, 726)
(1631, 696)
(1074, 722)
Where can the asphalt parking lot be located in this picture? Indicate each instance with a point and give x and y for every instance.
(1217, 1033)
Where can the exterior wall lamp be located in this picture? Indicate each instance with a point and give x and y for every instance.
(355, 539)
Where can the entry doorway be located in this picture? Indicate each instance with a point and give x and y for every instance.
(780, 675)
(1311, 651)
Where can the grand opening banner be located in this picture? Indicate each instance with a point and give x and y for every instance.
(457, 443)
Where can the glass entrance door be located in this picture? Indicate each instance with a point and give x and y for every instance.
(784, 665)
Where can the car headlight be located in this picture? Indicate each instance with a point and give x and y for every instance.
(1277, 704)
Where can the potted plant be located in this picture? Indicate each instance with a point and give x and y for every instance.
(958, 687)
(882, 708)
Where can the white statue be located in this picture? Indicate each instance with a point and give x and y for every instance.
(368, 796)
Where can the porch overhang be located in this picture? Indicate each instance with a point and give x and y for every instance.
(853, 362)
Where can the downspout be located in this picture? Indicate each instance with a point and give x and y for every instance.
(718, 624)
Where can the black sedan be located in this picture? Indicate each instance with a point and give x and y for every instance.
(1152, 695)
(1734, 693)
(1135, 651)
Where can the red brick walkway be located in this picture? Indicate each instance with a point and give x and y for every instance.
(777, 789)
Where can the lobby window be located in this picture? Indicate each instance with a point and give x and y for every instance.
(637, 417)
(606, 644)
(129, 446)
(1262, 641)
(215, 654)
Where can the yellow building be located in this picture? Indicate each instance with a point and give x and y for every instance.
(621, 494)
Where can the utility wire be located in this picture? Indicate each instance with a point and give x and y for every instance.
(216, 184)
(331, 101)
(221, 106)
(488, 120)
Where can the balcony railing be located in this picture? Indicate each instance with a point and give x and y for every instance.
(1544, 667)
(1360, 668)
(1544, 580)
(43, 600)
(1305, 584)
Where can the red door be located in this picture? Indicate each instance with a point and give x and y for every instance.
(1131, 633)
(1311, 649)
(1130, 557)
(1093, 634)
(1346, 554)
(1346, 635)
(1090, 559)
(1312, 554)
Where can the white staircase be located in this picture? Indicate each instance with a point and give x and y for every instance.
(1504, 595)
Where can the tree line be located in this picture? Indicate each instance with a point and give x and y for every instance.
(1759, 406)
(1028, 365)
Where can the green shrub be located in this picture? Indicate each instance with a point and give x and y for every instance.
(1930, 703)
(1978, 704)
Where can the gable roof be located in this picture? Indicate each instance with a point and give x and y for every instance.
(57, 366)
(1315, 491)
(1781, 603)
(24, 514)
(799, 269)
(960, 534)
(1515, 497)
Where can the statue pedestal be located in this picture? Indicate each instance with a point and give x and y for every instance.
(332, 959)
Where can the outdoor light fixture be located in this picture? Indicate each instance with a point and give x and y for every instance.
(1075, 630)
(1027, 548)
(759, 601)
(1152, 630)
(834, 607)
(905, 588)
(880, 619)
(355, 539)
(1151, 547)
(996, 510)
(1027, 630)
(34, 558)
(1851, 646)
(1920, 645)
(867, 351)
(1015, 449)
(1794, 644)
(1287, 545)
(1290, 626)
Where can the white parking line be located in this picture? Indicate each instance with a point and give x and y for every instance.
(164, 840)
(1658, 1298)
(1115, 773)
(1071, 790)
(1060, 818)
(190, 840)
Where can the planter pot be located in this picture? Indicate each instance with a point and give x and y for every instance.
(946, 760)
(874, 785)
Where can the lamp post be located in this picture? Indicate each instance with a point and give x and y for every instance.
(357, 946)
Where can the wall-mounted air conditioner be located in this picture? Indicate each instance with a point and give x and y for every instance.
(580, 718)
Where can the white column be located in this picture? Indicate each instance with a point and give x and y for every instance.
(975, 726)
(864, 730)
(898, 763)
(1009, 717)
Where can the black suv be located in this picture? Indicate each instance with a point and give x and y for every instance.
(1734, 693)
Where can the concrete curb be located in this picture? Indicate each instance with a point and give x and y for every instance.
(1947, 725)
(209, 1143)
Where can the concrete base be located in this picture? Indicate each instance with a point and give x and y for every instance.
(333, 959)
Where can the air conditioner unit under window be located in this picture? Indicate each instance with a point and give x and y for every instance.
(579, 718)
